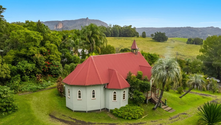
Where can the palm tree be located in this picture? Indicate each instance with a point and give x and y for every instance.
(210, 113)
(94, 38)
(164, 72)
(195, 80)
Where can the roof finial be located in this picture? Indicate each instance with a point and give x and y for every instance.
(134, 47)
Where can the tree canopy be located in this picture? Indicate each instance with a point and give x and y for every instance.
(210, 56)
(159, 37)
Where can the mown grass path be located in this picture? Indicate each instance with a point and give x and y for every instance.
(48, 108)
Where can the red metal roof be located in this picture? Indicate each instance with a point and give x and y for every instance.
(134, 45)
(96, 69)
(116, 80)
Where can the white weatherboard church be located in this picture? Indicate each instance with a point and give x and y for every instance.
(99, 82)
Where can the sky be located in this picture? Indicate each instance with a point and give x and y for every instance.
(138, 13)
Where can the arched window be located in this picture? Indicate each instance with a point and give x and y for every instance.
(124, 95)
(93, 94)
(114, 96)
(69, 93)
(79, 94)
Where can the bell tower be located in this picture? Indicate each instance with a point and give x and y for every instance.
(134, 47)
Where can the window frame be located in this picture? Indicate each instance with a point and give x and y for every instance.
(115, 96)
(93, 98)
(124, 95)
(78, 95)
(69, 93)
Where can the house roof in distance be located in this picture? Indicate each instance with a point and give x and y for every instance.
(96, 69)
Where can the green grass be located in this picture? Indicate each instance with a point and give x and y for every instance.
(35, 109)
(180, 39)
(174, 47)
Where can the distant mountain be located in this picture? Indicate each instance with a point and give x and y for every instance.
(72, 24)
(184, 32)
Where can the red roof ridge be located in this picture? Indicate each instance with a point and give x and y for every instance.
(82, 65)
(96, 69)
(115, 54)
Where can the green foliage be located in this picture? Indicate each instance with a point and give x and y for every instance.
(151, 58)
(196, 41)
(213, 85)
(129, 112)
(164, 72)
(210, 113)
(139, 75)
(7, 101)
(180, 90)
(211, 56)
(137, 87)
(125, 50)
(144, 34)
(118, 31)
(108, 50)
(160, 37)
(168, 87)
(31, 86)
(25, 69)
(93, 38)
(4, 71)
(15, 83)
(138, 97)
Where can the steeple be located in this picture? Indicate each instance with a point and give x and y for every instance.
(134, 47)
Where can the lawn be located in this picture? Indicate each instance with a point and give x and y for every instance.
(36, 108)
(174, 47)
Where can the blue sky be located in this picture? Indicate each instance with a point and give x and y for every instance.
(138, 13)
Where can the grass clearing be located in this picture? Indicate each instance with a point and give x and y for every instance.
(174, 47)
(35, 108)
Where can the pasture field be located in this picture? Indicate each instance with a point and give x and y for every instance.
(173, 47)
(48, 108)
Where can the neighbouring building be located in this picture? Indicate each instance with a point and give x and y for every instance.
(100, 81)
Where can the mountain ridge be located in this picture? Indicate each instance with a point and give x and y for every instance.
(183, 32)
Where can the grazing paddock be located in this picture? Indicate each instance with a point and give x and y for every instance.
(174, 47)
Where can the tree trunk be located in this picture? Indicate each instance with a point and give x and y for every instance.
(159, 100)
(186, 93)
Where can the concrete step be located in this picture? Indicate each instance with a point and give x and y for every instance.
(164, 106)
(168, 108)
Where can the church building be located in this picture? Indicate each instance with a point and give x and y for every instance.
(100, 81)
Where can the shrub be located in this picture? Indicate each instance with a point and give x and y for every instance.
(138, 97)
(15, 83)
(180, 90)
(129, 112)
(125, 50)
(60, 86)
(160, 37)
(168, 87)
(210, 113)
(139, 75)
(7, 104)
(39, 78)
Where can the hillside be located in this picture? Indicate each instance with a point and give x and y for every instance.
(72, 24)
(174, 47)
(184, 32)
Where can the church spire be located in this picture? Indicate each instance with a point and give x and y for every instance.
(134, 47)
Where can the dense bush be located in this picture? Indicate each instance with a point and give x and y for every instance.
(150, 57)
(125, 50)
(144, 34)
(60, 86)
(196, 41)
(4, 71)
(7, 102)
(160, 37)
(180, 90)
(129, 112)
(108, 50)
(138, 86)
